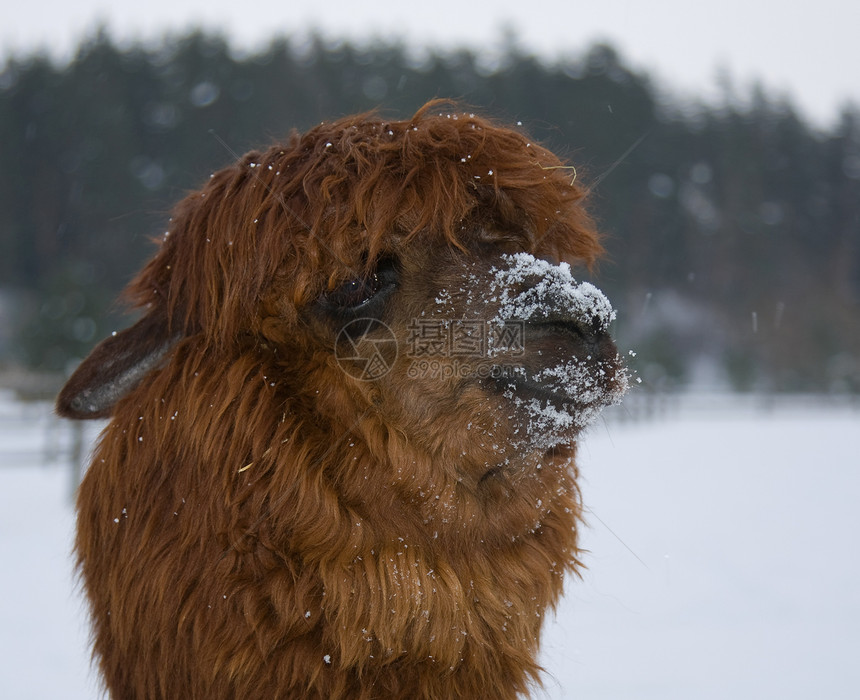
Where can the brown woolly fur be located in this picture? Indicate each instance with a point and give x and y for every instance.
(260, 522)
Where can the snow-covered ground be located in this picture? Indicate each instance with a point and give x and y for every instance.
(723, 561)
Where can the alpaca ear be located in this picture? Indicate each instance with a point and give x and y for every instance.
(115, 367)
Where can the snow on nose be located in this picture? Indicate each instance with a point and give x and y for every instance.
(531, 289)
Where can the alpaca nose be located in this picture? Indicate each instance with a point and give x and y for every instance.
(537, 292)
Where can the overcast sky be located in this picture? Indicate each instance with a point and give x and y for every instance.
(807, 50)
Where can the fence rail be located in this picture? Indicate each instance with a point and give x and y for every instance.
(32, 435)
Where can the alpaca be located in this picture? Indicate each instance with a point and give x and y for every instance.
(340, 456)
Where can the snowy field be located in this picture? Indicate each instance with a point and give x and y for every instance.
(724, 560)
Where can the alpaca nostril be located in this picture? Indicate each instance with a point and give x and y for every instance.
(592, 331)
(589, 333)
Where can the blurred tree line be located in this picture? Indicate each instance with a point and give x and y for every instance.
(733, 229)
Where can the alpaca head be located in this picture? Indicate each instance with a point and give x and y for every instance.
(398, 268)
(375, 340)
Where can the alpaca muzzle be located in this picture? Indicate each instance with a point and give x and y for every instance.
(571, 369)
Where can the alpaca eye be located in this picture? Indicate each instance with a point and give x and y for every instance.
(364, 295)
(354, 293)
